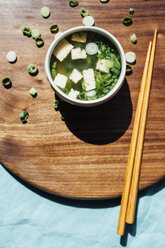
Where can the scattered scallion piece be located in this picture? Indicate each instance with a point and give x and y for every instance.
(128, 69)
(130, 57)
(6, 82)
(45, 12)
(33, 92)
(26, 31)
(88, 21)
(35, 33)
(39, 41)
(23, 116)
(73, 4)
(54, 28)
(133, 38)
(11, 56)
(56, 104)
(131, 11)
(84, 12)
(32, 69)
(127, 20)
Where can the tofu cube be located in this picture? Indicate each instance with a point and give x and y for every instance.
(102, 65)
(62, 50)
(73, 93)
(60, 80)
(79, 37)
(77, 53)
(75, 76)
(89, 79)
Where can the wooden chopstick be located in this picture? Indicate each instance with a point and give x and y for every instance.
(139, 147)
(130, 163)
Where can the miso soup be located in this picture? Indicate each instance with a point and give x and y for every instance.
(85, 65)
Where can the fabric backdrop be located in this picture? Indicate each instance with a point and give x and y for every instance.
(30, 218)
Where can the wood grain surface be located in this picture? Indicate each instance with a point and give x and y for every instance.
(86, 155)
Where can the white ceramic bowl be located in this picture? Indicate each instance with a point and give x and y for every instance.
(78, 102)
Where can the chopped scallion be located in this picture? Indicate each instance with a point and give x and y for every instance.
(54, 28)
(127, 20)
(32, 69)
(84, 12)
(26, 31)
(131, 11)
(33, 92)
(54, 65)
(128, 69)
(23, 116)
(45, 12)
(6, 82)
(133, 38)
(91, 48)
(53, 69)
(73, 4)
(130, 57)
(35, 33)
(11, 56)
(39, 41)
(88, 21)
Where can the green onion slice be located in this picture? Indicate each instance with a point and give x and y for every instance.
(6, 82)
(26, 31)
(35, 33)
(45, 12)
(54, 65)
(84, 12)
(11, 56)
(73, 4)
(23, 116)
(54, 28)
(133, 38)
(128, 69)
(127, 20)
(39, 41)
(91, 48)
(131, 11)
(53, 69)
(88, 21)
(33, 92)
(130, 57)
(32, 69)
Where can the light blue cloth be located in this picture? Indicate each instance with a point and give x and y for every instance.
(30, 220)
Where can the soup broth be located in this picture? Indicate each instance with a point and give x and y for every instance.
(87, 66)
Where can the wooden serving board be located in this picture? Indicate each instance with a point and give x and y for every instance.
(86, 155)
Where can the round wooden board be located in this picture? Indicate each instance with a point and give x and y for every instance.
(86, 155)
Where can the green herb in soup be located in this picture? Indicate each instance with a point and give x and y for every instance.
(85, 66)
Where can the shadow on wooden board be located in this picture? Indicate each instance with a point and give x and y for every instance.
(101, 124)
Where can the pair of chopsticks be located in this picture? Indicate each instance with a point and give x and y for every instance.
(130, 189)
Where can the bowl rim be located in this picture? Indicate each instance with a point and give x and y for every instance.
(79, 102)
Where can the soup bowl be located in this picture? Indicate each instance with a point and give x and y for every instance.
(78, 102)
